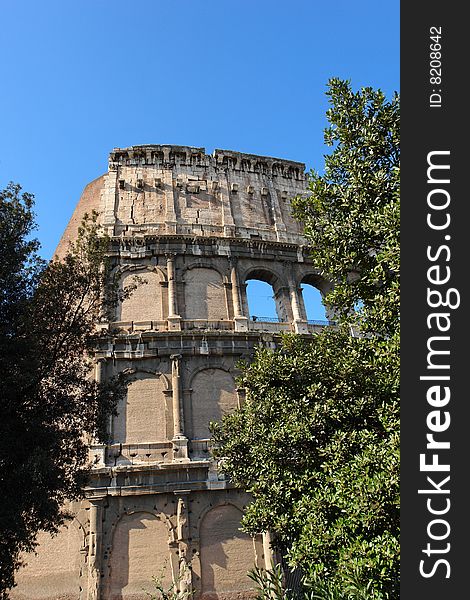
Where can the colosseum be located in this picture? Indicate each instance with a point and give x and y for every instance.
(196, 228)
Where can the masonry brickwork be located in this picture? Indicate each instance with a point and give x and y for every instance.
(195, 228)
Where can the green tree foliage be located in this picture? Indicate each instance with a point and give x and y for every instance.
(50, 404)
(317, 440)
(316, 443)
(271, 586)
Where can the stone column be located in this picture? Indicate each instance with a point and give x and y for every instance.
(94, 550)
(300, 326)
(170, 266)
(174, 319)
(244, 300)
(282, 298)
(99, 450)
(294, 302)
(180, 442)
(235, 291)
(176, 387)
(241, 322)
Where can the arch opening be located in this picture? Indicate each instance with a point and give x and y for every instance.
(261, 302)
(313, 305)
(265, 301)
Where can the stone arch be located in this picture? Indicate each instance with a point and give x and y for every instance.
(130, 372)
(279, 292)
(226, 553)
(137, 554)
(219, 362)
(148, 301)
(214, 394)
(316, 280)
(118, 514)
(205, 295)
(313, 309)
(143, 414)
(264, 273)
(203, 512)
(55, 571)
(201, 263)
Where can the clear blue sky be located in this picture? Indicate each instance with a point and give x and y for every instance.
(80, 78)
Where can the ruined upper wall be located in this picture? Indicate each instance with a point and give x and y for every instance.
(90, 201)
(163, 189)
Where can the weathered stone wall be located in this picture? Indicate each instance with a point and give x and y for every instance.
(205, 296)
(90, 201)
(227, 554)
(194, 229)
(213, 396)
(146, 302)
(132, 562)
(56, 571)
(182, 190)
(144, 414)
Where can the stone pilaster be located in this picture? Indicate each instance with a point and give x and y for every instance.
(180, 441)
(279, 225)
(241, 322)
(108, 199)
(227, 215)
(170, 216)
(94, 550)
(174, 319)
(300, 325)
(185, 583)
(98, 451)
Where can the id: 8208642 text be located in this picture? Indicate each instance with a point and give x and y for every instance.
(435, 67)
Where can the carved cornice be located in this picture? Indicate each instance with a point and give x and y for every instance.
(166, 156)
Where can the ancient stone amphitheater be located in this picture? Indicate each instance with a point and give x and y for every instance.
(196, 228)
